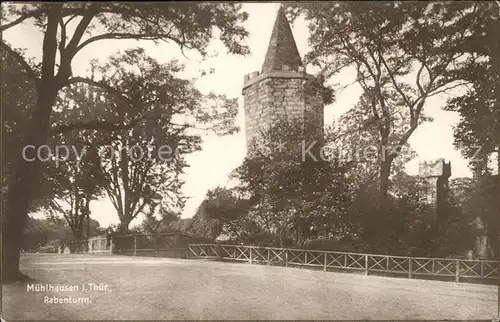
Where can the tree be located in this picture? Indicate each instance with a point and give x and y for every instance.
(414, 221)
(38, 232)
(191, 26)
(354, 141)
(484, 203)
(477, 134)
(290, 198)
(150, 155)
(478, 130)
(164, 224)
(222, 212)
(77, 182)
(389, 43)
(17, 101)
(75, 177)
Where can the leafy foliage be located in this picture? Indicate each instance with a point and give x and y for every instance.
(478, 132)
(389, 43)
(41, 232)
(223, 214)
(67, 29)
(483, 202)
(165, 113)
(164, 224)
(17, 101)
(293, 198)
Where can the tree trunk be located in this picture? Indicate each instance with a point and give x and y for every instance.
(123, 228)
(23, 188)
(498, 148)
(88, 224)
(493, 240)
(86, 210)
(384, 173)
(498, 160)
(381, 209)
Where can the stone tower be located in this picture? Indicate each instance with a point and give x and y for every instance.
(282, 90)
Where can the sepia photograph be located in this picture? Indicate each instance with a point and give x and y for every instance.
(206, 160)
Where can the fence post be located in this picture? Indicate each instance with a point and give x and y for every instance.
(268, 257)
(498, 266)
(286, 257)
(135, 245)
(457, 271)
(219, 252)
(251, 255)
(156, 244)
(410, 264)
(326, 261)
(366, 265)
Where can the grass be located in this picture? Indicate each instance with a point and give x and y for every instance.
(159, 288)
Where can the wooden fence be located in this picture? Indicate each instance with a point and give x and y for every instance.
(331, 260)
(162, 246)
(150, 245)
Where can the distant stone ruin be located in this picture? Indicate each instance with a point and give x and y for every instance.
(436, 174)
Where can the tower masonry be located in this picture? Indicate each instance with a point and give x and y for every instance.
(436, 174)
(282, 91)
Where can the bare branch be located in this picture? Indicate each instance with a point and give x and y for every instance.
(419, 73)
(429, 71)
(19, 20)
(98, 125)
(158, 36)
(69, 52)
(352, 52)
(443, 90)
(49, 46)
(376, 63)
(394, 82)
(78, 34)
(101, 85)
(62, 43)
(69, 20)
(404, 139)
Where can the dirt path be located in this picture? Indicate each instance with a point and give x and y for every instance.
(155, 288)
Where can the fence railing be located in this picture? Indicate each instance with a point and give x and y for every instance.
(154, 245)
(330, 260)
(165, 245)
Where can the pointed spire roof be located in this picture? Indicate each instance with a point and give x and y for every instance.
(282, 53)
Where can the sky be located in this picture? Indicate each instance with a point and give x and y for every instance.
(220, 155)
